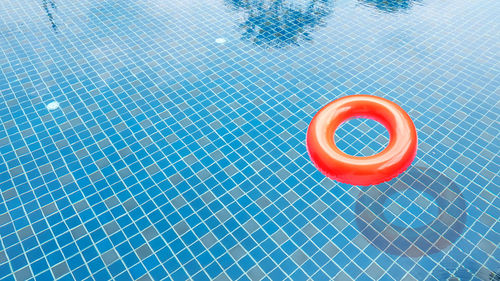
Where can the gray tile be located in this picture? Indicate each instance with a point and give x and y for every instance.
(150, 233)
(172, 138)
(178, 202)
(257, 165)
(301, 125)
(145, 277)
(124, 172)
(146, 141)
(222, 277)
(4, 141)
(146, 123)
(109, 257)
(143, 251)
(263, 202)
(208, 240)
(255, 273)
(395, 208)
(291, 196)
(62, 144)
(3, 257)
(464, 160)
(208, 197)
(240, 121)
(285, 136)
(280, 237)
(124, 152)
(82, 153)
(330, 249)
(153, 169)
(328, 183)
(213, 108)
(78, 232)
(181, 228)
(487, 154)
(111, 202)
(342, 276)
(102, 163)
(319, 206)
(165, 114)
(285, 113)
(230, 170)
(367, 151)
(104, 143)
(49, 209)
(175, 179)
(223, 215)
(309, 230)
(485, 274)
(44, 169)
(23, 274)
(251, 225)
(96, 176)
(216, 125)
(16, 171)
(408, 277)
(237, 252)
(204, 174)
(375, 271)
(111, 227)
(130, 204)
(81, 205)
(339, 223)
(263, 117)
(245, 138)
(487, 246)
(25, 232)
(66, 179)
(22, 151)
(236, 193)
(299, 257)
(121, 127)
(9, 124)
(190, 159)
(9, 194)
(450, 173)
(203, 141)
(487, 174)
(487, 219)
(283, 174)
(60, 270)
(292, 154)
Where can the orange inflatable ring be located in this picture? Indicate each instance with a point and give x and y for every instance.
(375, 169)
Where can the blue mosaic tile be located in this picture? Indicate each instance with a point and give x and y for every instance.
(146, 140)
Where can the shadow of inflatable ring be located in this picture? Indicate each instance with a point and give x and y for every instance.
(443, 231)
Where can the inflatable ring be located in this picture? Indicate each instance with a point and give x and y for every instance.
(355, 170)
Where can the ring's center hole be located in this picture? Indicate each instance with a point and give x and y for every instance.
(361, 137)
(410, 208)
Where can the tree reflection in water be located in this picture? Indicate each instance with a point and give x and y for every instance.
(390, 6)
(49, 6)
(278, 23)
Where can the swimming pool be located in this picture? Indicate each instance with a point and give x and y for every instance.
(165, 140)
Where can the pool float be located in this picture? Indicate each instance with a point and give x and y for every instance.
(355, 170)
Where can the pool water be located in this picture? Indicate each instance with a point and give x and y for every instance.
(165, 140)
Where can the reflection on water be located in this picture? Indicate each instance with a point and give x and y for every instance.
(278, 23)
(442, 231)
(390, 6)
(49, 6)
